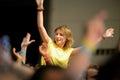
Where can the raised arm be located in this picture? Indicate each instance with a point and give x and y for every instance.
(80, 61)
(42, 31)
(21, 55)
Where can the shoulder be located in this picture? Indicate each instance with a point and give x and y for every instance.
(75, 50)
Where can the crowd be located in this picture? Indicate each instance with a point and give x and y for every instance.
(59, 60)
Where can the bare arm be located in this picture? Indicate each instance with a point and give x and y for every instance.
(81, 60)
(41, 28)
(43, 49)
(75, 50)
(21, 55)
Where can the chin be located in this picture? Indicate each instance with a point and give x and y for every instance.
(58, 43)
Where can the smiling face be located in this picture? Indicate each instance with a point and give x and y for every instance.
(63, 37)
(60, 38)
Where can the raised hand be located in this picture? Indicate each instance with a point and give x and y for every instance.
(40, 4)
(43, 49)
(18, 55)
(96, 28)
(103, 15)
(108, 33)
(21, 55)
(26, 41)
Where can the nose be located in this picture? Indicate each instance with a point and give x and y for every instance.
(58, 35)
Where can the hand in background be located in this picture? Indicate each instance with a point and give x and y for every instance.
(26, 41)
(18, 55)
(108, 33)
(21, 55)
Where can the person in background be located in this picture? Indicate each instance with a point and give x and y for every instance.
(9, 69)
(49, 72)
(94, 34)
(20, 62)
(92, 72)
(111, 69)
(21, 55)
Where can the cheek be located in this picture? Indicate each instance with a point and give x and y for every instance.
(55, 37)
(63, 38)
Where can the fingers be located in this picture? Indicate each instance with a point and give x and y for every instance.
(28, 36)
(40, 4)
(112, 29)
(43, 49)
(109, 32)
(102, 15)
(32, 41)
(40, 48)
(14, 52)
(26, 40)
(37, 2)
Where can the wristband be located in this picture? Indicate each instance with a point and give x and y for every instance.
(22, 52)
(87, 48)
(88, 44)
(46, 57)
(40, 10)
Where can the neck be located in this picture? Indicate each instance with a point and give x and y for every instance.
(61, 46)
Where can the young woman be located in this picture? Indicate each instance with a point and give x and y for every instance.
(59, 49)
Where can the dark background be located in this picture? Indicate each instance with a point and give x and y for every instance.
(17, 17)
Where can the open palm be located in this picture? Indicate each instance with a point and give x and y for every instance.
(26, 40)
(109, 32)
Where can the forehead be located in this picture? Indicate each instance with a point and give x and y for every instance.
(59, 31)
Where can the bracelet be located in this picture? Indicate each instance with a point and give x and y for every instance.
(88, 44)
(86, 52)
(87, 48)
(46, 57)
(22, 52)
(40, 10)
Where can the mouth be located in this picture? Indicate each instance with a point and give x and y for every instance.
(58, 39)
